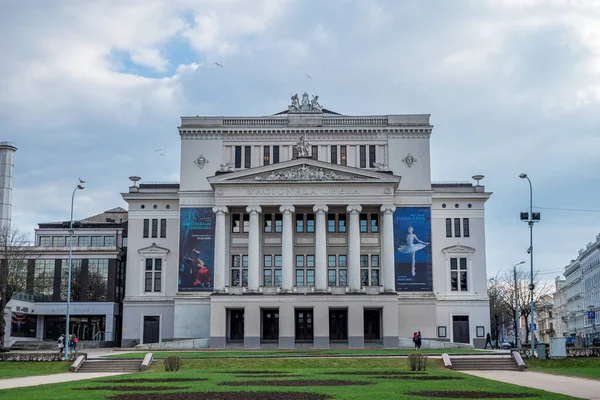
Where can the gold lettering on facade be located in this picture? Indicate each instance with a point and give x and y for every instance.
(301, 191)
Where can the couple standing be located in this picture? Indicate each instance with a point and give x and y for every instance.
(417, 339)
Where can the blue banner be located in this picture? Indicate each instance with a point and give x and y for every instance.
(196, 249)
(412, 249)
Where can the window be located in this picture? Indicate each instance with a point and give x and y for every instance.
(305, 223)
(154, 228)
(246, 226)
(374, 223)
(146, 232)
(239, 270)
(364, 223)
(272, 270)
(448, 227)
(275, 154)
(369, 223)
(372, 156)
(153, 278)
(278, 223)
(76, 280)
(456, 227)
(294, 152)
(98, 279)
(83, 241)
(97, 241)
(58, 241)
(236, 223)
(336, 270)
(330, 222)
(268, 223)
(238, 156)
(305, 270)
(266, 155)
(310, 223)
(45, 241)
(369, 270)
(299, 222)
(314, 152)
(458, 274)
(163, 228)
(343, 155)
(466, 227)
(43, 283)
(342, 223)
(363, 156)
(334, 154)
(247, 156)
(110, 241)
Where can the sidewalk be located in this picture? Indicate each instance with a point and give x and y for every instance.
(576, 387)
(49, 379)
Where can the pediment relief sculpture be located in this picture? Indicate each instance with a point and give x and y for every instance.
(303, 173)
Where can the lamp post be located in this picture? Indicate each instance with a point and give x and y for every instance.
(531, 219)
(517, 319)
(78, 187)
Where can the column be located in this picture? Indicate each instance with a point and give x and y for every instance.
(354, 247)
(287, 249)
(253, 249)
(320, 248)
(220, 247)
(388, 272)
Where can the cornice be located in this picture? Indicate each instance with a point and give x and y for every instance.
(345, 133)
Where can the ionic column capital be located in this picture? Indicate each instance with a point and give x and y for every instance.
(287, 209)
(388, 208)
(354, 208)
(220, 209)
(320, 208)
(253, 209)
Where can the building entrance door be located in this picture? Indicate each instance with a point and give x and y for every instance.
(151, 329)
(460, 329)
(236, 324)
(304, 325)
(372, 323)
(270, 324)
(338, 325)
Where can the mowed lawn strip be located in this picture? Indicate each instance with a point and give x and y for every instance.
(17, 369)
(224, 370)
(582, 367)
(292, 353)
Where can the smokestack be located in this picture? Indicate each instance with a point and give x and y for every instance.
(7, 162)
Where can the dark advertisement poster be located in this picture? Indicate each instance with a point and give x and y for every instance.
(23, 325)
(412, 249)
(196, 249)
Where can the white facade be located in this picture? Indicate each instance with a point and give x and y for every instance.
(561, 315)
(309, 213)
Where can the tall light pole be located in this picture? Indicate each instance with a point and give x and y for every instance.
(78, 187)
(531, 219)
(517, 319)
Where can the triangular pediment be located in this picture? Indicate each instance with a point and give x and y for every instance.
(153, 249)
(304, 170)
(459, 248)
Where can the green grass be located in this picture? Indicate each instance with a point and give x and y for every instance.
(15, 369)
(382, 389)
(583, 367)
(285, 353)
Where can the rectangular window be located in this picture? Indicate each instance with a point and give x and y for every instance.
(342, 276)
(163, 228)
(238, 157)
(275, 154)
(278, 277)
(236, 222)
(299, 277)
(364, 277)
(153, 278)
(374, 277)
(364, 221)
(98, 279)
(299, 261)
(466, 227)
(146, 231)
(372, 160)
(363, 156)
(331, 261)
(97, 241)
(458, 275)
(247, 156)
(266, 155)
(331, 278)
(310, 223)
(314, 152)
(448, 227)
(310, 261)
(154, 228)
(278, 223)
(268, 277)
(330, 222)
(246, 227)
(342, 223)
(58, 241)
(374, 223)
(43, 283)
(299, 222)
(343, 155)
(239, 270)
(268, 227)
(456, 227)
(342, 261)
(83, 241)
(334, 155)
(310, 277)
(294, 152)
(110, 241)
(45, 241)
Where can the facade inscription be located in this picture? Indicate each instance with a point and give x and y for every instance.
(301, 191)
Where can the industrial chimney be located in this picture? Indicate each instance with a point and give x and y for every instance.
(7, 162)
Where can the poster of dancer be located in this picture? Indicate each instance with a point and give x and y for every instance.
(196, 249)
(412, 249)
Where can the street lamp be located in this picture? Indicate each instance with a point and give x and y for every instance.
(531, 218)
(78, 187)
(517, 319)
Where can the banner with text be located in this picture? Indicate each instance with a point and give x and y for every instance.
(196, 249)
(412, 249)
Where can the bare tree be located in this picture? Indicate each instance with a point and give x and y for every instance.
(499, 312)
(14, 256)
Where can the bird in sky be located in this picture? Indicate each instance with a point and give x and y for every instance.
(81, 180)
(218, 65)
(309, 77)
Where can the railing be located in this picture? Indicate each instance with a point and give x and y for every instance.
(571, 352)
(99, 337)
(355, 121)
(255, 121)
(23, 296)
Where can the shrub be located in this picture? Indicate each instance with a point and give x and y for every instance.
(172, 363)
(418, 362)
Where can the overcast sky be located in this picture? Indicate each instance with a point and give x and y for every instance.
(91, 88)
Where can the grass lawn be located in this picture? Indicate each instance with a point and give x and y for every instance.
(303, 353)
(217, 371)
(583, 367)
(15, 369)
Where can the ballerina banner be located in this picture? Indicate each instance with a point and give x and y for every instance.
(412, 244)
(196, 249)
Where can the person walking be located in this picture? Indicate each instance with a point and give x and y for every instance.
(61, 344)
(75, 341)
(415, 338)
(419, 341)
(488, 339)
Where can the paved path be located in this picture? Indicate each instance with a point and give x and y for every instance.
(576, 387)
(48, 379)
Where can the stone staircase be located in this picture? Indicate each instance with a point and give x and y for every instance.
(124, 365)
(488, 363)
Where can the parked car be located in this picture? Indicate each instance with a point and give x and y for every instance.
(596, 342)
(503, 345)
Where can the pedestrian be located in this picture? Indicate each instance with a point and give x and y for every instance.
(75, 341)
(488, 339)
(419, 341)
(415, 341)
(61, 344)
